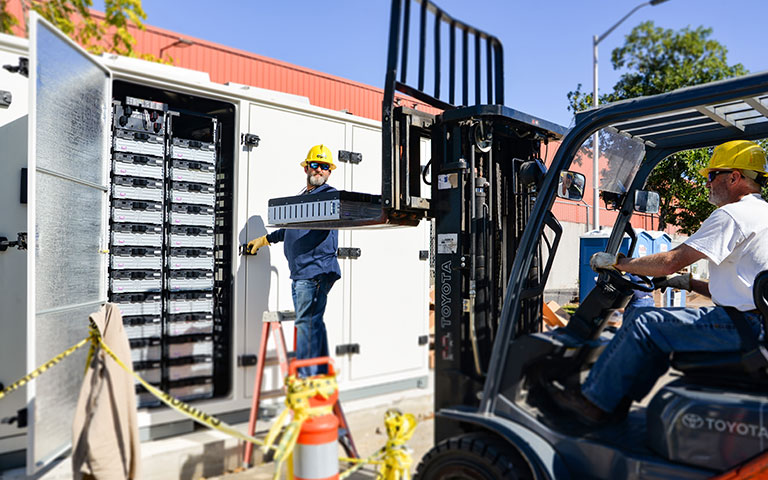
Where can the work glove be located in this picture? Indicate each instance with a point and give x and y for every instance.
(604, 261)
(680, 282)
(255, 244)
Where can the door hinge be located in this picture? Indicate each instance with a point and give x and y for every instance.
(347, 348)
(351, 157)
(348, 252)
(20, 419)
(22, 68)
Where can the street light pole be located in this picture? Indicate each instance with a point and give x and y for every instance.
(596, 144)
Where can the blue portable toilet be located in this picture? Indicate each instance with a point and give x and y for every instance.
(646, 243)
(662, 242)
(589, 244)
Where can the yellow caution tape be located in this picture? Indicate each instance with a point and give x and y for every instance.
(396, 461)
(42, 368)
(298, 393)
(184, 408)
(397, 456)
(394, 458)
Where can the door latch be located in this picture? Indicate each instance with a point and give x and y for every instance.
(20, 243)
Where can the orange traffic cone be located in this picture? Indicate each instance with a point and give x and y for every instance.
(315, 456)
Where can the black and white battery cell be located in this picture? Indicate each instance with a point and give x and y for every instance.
(193, 150)
(190, 346)
(190, 302)
(137, 235)
(143, 326)
(179, 280)
(139, 304)
(127, 141)
(193, 193)
(134, 165)
(127, 281)
(190, 367)
(191, 259)
(133, 258)
(192, 215)
(145, 349)
(191, 236)
(192, 389)
(189, 171)
(137, 211)
(190, 324)
(137, 188)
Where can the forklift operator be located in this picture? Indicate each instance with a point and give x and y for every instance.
(311, 256)
(733, 239)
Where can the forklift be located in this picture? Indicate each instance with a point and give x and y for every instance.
(489, 192)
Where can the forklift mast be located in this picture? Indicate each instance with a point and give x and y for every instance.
(484, 173)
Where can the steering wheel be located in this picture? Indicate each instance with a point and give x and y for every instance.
(618, 278)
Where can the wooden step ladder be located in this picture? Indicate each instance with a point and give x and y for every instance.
(272, 324)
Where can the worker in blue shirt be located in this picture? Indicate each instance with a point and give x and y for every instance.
(311, 256)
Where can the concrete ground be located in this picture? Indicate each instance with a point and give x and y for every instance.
(369, 435)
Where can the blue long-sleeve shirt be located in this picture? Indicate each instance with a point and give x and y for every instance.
(309, 252)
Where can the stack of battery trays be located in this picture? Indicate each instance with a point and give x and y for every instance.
(189, 329)
(162, 248)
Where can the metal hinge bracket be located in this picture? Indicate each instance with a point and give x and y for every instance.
(351, 157)
(347, 348)
(348, 252)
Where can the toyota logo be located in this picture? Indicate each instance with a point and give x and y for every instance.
(693, 421)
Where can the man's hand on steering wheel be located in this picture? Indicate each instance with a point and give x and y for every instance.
(604, 261)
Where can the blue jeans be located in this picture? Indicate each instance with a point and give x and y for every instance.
(639, 352)
(309, 300)
(636, 302)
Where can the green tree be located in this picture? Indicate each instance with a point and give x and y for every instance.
(659, 60)
(73, 17)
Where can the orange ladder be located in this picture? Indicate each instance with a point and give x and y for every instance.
(272, 324)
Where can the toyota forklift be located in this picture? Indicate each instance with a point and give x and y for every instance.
(490, 195)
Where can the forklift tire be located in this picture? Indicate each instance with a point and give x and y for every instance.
(473, 456)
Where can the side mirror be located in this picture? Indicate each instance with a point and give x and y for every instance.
(571, 185)
(646, 202)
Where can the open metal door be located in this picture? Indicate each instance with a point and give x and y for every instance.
(67, 220)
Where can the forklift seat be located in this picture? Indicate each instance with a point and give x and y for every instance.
(748, 366)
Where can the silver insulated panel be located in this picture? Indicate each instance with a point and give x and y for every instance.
(67, 225)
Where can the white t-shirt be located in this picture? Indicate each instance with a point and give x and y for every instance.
(735, 239)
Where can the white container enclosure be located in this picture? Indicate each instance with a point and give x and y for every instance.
(133, 184)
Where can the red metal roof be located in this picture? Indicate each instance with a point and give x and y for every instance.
(226, 64)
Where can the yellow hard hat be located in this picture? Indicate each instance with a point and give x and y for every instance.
(319, 153)
(738, 155)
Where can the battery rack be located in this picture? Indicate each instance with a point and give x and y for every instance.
(169, 255)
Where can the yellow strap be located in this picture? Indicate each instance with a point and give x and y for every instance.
(397, 456)
(394, 458)
(181, 407)
(42, 368)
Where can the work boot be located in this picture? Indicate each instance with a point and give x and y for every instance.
(573, 401)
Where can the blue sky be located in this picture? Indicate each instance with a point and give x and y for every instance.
(547, 43)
